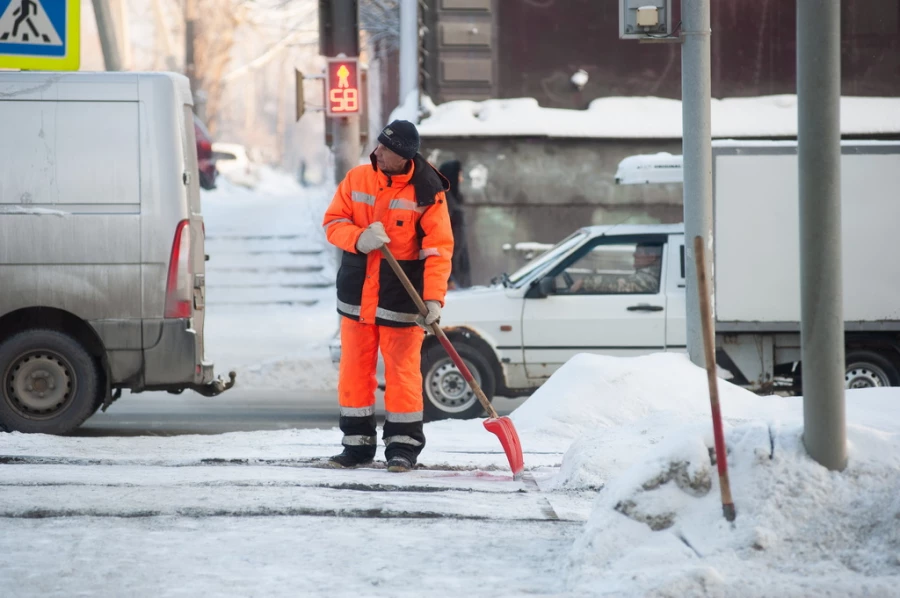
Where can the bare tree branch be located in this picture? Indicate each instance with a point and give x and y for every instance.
(212, 48)
(380, 19)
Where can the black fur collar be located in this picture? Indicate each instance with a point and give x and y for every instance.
(426, 179)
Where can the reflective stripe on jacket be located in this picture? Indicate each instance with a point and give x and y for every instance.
(413, 210)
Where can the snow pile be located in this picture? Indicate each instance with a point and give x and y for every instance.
(649, 118)
(599, 392)
(801, 530)
(311, 370)
(610, 409)
(642, 432)
(408, 108)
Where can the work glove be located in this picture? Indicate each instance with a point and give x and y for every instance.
(434, 314)
(372, 238)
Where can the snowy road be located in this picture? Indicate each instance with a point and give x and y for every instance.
(257, 515)
(238, 410)
(620, 499)
(273, 530)
(284, 556)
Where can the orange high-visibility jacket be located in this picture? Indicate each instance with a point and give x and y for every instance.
(414, 212)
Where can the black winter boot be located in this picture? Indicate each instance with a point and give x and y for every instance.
(349, 459)
(399, 465)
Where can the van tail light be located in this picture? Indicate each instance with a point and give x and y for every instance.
(205, 149)
(179, 291)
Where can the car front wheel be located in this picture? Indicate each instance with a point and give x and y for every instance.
(445, 391)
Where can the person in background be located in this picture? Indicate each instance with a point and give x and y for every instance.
(460, 275)
(644, 280)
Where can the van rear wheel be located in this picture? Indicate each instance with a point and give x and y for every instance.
(49, 384)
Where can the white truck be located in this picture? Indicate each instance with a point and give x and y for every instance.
(757, 265)
(578, 296)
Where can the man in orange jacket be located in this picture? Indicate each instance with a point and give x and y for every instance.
(398, 201)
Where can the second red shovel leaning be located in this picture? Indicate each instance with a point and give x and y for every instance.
(502, 427)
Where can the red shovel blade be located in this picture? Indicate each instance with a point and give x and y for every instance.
(503, 428)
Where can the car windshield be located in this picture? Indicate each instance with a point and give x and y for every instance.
(551, 255)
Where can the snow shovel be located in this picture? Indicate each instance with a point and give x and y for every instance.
(502, 427)
(709, 348)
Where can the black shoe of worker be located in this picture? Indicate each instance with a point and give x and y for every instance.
(349, 459)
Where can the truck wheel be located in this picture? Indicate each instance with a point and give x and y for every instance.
(866, 369)
(49, 383)
(446, 393)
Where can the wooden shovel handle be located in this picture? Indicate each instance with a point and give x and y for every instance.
(439, 332)
(709, 347)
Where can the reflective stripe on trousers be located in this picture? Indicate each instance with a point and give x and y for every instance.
(401, 350)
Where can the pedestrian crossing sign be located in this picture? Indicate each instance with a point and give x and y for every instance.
(40, 35)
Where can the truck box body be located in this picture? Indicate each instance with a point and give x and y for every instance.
(756, 268)
(756, 235)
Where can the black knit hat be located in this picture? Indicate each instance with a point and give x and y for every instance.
(402, 138)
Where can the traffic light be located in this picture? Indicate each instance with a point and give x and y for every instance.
(339, 27)
(342, 94)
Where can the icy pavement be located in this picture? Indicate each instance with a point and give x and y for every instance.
(621, 498)
(257, 514)
(279, 556)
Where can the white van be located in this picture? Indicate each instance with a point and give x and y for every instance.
(102, 278)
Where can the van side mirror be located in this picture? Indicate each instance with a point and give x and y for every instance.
(542, 288)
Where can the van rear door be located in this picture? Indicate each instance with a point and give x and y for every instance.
(198, 255)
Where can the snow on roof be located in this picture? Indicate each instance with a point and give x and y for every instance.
(649, 118)
(624, 229)
(663, 167)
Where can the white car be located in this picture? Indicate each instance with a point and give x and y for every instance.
(574, 298)
(235, 165)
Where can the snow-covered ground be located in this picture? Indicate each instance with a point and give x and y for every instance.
(621, 498)
(270, 283)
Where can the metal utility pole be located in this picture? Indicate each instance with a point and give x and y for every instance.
(819, 170)
(123, 33)
(339, 35)
(697, 151)
(409, 53)
(190, 67)
(165, 57)
(107, 30)
(345, 131)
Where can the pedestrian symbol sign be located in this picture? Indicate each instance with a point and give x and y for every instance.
(40, 34)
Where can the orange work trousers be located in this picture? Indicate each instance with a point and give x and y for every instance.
(401, 350)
